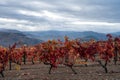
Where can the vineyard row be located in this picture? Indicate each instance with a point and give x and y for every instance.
(55, 52)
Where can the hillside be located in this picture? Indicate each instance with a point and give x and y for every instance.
(9, 37)
(86, 35)
(116, 33)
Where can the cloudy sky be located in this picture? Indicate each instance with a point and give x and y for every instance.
(68, 15)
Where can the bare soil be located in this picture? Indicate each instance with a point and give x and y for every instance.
(40, 72)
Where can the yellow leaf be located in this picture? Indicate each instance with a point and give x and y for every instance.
(17, 67)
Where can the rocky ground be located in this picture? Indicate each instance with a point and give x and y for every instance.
(40, 72)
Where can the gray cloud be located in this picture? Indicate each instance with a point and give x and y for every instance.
(95, 15)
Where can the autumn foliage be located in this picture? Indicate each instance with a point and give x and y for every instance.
(55, 52)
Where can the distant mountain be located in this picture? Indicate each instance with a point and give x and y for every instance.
(9, 30)
(9, 37)
(116, 34)
(46, 35)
